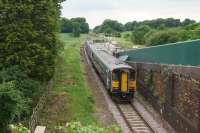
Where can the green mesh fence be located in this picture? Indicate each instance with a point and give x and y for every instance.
(182, 53)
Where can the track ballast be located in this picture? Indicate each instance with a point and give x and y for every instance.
(135, 122)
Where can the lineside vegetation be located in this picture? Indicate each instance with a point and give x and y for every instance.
(28, 47)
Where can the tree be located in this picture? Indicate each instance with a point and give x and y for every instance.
(164, 37)
(76, 29)
(84, 26)
(188, 22)
(130, 26)
(27, 36)
(66, 26)
(28, 41)
(109, 26)
(138, 35)
(97, 29)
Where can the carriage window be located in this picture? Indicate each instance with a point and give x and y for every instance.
(132, 75)
(115, 76)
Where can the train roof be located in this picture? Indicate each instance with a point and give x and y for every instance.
(109, 60)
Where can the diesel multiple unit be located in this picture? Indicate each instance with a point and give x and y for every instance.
(119, 78)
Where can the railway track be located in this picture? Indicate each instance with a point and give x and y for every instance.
(133, 119)
(125, 114)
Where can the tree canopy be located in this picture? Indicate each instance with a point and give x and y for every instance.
(67, 25)
(109, 26)
(28, 47)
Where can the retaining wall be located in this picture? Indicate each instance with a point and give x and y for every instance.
(174, 91)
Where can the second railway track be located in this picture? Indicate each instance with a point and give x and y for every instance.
(135, 122)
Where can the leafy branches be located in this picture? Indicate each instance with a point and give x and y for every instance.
(28, 47)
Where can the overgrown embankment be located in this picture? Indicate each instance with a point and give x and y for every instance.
(70, 100)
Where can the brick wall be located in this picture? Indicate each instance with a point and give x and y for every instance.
(174, 91)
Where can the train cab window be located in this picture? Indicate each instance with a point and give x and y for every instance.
(132, 75)
(115, 76)
(115, 80)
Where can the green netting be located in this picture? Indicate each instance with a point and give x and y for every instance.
(182, 53)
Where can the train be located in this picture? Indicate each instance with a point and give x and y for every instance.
(118, 77)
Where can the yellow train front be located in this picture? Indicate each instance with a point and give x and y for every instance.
(118, 77)
(123, 85)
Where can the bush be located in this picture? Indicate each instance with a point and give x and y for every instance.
(27, 86)
(117, 34)
(126, 36)
(138, 35)
(18, 129)
(16, 84)
(12, 103)
(163, 37)
(77, 127)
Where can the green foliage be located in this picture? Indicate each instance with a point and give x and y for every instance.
(153, 32)
(67, 25)
(126, 35)
(70, 91)
(28, 47)
(138, 35)
(158, 23)
(12, 103)
(27, 86)
(163, 37)
(27, 36)
(109, 27)
(173, 35)
(76, 29)
(81, 106)
(117, 34)
(130, 26)
(18, 129)
(188, 22)
(77, 127)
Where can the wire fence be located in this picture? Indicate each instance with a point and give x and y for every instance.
(37, 110)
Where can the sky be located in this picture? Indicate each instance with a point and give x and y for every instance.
(96, 11)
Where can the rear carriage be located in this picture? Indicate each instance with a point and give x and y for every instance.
(118, 77)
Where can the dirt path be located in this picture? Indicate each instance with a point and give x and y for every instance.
(102, 112)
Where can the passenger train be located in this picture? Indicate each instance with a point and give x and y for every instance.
(119, 78)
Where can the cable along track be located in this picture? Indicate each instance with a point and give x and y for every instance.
(135, 122)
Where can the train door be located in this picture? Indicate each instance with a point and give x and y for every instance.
(124, 81)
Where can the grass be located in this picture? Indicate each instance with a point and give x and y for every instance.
(70, 71)
(126, 42)
(70, 99)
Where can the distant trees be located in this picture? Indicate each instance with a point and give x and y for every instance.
(188, 22)
(138, 35)
(28, 47)
(130, 26)
(84, 26)
(110, 27)
(152, 32)
(67, 26)
(162, 31)
(172, 35)
(157, 23)
(76, 29)
(163, 37)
